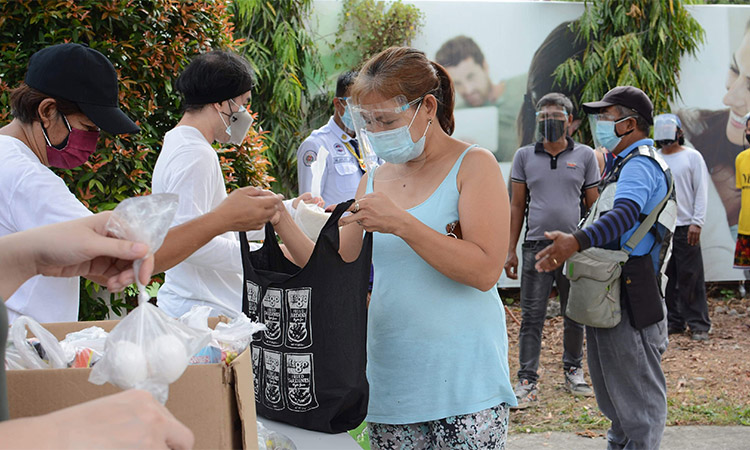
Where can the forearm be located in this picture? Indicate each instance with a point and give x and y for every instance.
(299, 246)
(16, 263)
(183, 240)
(25, 434)
(610, 226)
(516, 224)
(461, 260)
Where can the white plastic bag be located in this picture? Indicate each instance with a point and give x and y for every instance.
(310, 219)
(25, 353)
(148, 350)
(84, 348)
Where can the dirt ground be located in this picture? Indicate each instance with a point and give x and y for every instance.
(707, 382)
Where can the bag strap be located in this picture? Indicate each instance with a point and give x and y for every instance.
(650, 220)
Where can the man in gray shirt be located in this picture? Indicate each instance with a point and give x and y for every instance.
(686, 289)
(548, 180)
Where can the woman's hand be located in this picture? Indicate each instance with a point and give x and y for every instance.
(376, 212)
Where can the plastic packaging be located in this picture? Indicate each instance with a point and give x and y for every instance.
(144, 219)
(24, 353)
(310, 219)
(148, 350)
(84, 348)
(273, 440)
(227, 340)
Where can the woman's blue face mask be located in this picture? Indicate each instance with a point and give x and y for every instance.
(396, 146)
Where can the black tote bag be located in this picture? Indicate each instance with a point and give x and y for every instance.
(309, 364)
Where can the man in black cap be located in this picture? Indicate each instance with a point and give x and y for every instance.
(625, 361)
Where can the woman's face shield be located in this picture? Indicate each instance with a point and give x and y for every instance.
(374, 118)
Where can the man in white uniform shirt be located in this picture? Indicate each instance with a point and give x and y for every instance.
(344, 164)
(686, 289)
(216, 90)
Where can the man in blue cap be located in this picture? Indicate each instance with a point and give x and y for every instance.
(686, 289)
(625, 360)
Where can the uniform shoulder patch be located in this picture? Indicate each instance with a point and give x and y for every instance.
(309, 157)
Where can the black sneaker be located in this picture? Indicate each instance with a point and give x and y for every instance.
(699, 335)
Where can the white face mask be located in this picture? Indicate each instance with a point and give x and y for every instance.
(239, 124)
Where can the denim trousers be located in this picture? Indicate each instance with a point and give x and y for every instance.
(535, 290)
(686, 288)
(628, 381)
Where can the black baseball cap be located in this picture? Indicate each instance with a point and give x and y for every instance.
(627, 96)
(81, 75)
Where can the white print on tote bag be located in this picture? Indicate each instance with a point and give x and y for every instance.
(271, 312)
(257, 370)
(253, 298)
(299, 328)
(299, 382)
(272, 398)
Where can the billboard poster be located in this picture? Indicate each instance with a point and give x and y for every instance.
(501, 56)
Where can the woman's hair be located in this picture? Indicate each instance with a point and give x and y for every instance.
(25, 100)
(407, 71)
(559, 45)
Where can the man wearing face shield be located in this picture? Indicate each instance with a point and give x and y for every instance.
(344, 165)
(625, 361)
(686, 289)
(549, 178)
(216, 89)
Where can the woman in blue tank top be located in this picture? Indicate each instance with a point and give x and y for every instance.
(437, 343)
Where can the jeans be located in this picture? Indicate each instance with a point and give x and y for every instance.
(686, 289)
(630, 387)
(535, 290)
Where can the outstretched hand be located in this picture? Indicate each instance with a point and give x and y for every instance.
(563, 246)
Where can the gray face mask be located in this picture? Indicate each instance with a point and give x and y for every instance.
(239, 124)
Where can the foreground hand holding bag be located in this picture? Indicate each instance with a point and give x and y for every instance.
(309, 364)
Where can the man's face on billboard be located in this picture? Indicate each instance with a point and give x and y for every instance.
(472, 81)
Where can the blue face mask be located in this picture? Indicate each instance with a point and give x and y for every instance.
(606, 134)
(395, 146)
(347, 119)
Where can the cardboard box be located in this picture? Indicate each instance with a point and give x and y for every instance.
(215, 401)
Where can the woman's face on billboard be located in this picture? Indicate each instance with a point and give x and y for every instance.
(737, 97)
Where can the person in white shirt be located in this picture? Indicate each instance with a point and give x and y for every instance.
(69, 93)
(686, 289)
(216, 89)
(344, 165)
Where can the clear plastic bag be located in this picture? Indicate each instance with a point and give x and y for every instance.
(143, 219)
(148, 350)
(227, 340)
(273, 440)
(24, 353)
